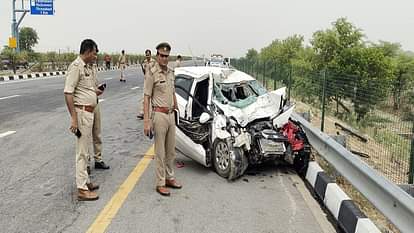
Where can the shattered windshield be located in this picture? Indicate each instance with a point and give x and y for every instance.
(239, 95)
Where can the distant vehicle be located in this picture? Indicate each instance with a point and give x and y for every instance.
(217, 60)
(6, 64)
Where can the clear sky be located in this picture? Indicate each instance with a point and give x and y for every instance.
(229, 27)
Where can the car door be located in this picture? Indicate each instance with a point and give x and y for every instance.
(184, 144)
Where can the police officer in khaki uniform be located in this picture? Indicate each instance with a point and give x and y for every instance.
(178, 61)
(145, 65)
(159, 90)
(122, 62)
(80, 96)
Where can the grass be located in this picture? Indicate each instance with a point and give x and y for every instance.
(399, 146)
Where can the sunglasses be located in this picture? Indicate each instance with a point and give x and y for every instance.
(163, 55)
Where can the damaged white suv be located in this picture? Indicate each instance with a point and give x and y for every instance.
(228, 121)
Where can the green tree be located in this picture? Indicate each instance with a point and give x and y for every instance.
(28, 38)
(252, 54)
(403, 69)
(371, 72)
(16, 59)
(282, 54)
(356, 71)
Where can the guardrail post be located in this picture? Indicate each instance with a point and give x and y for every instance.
(323, 100)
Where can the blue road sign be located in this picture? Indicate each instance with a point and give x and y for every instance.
(41, 7)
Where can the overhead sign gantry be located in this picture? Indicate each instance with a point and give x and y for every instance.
(37, 7)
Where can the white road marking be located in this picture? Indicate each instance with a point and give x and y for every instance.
(108, 78)
(134, 88)
(101, 100)
(7, 133)
(9, 97)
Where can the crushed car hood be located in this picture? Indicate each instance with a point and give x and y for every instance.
(265, 106)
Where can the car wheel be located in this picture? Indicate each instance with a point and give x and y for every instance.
(301, 162)
(221, 158)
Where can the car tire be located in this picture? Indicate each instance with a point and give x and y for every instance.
(301, 162)
(221, 158)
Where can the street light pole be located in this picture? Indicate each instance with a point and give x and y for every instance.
(15, 24)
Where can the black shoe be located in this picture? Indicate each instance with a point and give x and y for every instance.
(140, 116)
(101, 165)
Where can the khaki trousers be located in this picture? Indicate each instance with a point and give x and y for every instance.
(96, 134)
(85, 122)
(164, 130)
(122, 67)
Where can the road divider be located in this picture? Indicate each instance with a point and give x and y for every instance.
(44, 74)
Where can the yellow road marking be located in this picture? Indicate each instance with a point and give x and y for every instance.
(108, 213)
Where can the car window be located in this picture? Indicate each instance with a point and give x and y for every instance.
(183, 82)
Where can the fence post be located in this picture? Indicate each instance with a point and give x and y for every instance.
(290, 81)
(264, 73)
(411, 172)
(323, 100)
(275, 77)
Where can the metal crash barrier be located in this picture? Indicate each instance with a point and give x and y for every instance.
(387, 197)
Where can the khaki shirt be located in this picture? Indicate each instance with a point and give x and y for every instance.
(177, 64)
(122, 59)
(159, 85)
(148, 64)
(81, 81)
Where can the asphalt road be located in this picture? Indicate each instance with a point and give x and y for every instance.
(38, 189)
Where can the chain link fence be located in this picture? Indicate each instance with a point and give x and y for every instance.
(372, 118)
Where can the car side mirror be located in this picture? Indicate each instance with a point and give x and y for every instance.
(204, 118)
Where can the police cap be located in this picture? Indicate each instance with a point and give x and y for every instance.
(164, 46)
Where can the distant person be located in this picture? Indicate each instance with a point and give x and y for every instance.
(80, 96)
(146, 64)
(178, 61)
(122, 62)
(107, 60)
(159, 90)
